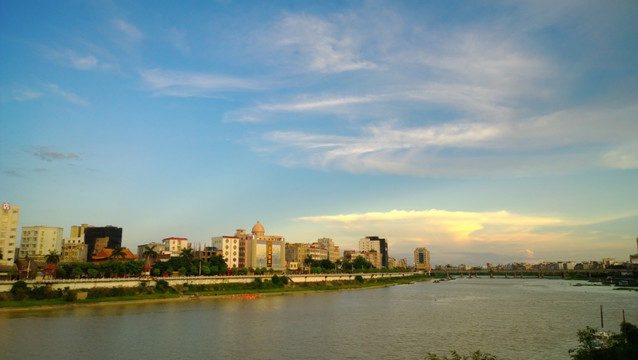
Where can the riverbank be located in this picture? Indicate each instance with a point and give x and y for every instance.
(185, 295)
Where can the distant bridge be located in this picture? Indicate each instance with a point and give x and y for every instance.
(535, 273)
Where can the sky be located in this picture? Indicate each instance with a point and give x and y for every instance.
(485, 131)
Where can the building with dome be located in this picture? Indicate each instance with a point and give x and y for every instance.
(256, 250)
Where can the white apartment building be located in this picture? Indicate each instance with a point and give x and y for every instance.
(366, 245)
(38, 241)
(175, 245)
(230, 246)
(9, 216)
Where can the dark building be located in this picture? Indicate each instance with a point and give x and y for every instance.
(98, 238)
(383, 245)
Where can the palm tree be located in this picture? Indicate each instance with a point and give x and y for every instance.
(149, 253)
(187, 253)
(53, 257)
(118, 251)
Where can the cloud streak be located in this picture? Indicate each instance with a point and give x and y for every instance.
(192, 84)
(44, 153)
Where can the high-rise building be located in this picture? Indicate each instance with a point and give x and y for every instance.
(9, 216)
(377, 244)
(422, 259)
(98, 238)
(38, 241)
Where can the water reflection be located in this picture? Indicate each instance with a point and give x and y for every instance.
(516, 318)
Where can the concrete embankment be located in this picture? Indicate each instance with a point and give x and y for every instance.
(76, 284)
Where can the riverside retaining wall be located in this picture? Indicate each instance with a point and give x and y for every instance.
(76, 284)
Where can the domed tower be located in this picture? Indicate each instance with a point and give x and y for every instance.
(258, 229)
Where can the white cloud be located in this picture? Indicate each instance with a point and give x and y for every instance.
(24, 93)
(178, 39)
(622, 157)
(502, 234)
(192, 84)
(317, 45)
(68, 96)
(84, 62)
(130, 32)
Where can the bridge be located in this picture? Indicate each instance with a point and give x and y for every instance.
(536, 273)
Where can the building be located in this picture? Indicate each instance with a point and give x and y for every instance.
(378, 245)
(422, 259)
(258, 250)
(159, 249)
(98, 238)
(9, 216)
(296, 253)
(38, 241)
(74, 249)
(175, 245)
(333, 250)
(207, 253)
(106, 254)
(229, 247)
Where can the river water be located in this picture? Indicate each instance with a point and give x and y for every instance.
(510, 318)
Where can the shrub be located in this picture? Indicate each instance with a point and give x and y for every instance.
(359, 279)
(161, 286)
(19, 290)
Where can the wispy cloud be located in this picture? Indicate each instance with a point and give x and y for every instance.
(318, 105)
(24, 93)
(192, 84)
(12, 172)
(129, 31)
(84, 62)
(68, 96)
(178, 39)
(46, 154)
(314, 44)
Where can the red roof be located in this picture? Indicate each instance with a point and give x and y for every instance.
(105, 254)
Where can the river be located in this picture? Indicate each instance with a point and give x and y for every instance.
(510, 318)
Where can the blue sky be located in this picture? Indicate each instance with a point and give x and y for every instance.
(484, 131)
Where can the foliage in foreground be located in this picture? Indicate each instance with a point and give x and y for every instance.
(594, 345)
(598, 345)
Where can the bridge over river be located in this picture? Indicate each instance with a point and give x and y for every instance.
(535, 273)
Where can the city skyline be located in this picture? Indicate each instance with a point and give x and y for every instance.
(497, 132)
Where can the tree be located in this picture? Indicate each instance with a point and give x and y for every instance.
(118, 251)
(149, 253)
(76, 272)
(361, 263)
(53, 257)
(187, 253)
(92, 273)
(600, 345)
(218, 262)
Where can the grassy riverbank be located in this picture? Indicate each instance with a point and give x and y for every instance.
(162, 292)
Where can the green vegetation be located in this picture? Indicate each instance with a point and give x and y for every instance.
(23, 296)
(594, 345)
(598, 345)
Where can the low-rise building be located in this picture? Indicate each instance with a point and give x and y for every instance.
(175, 245)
